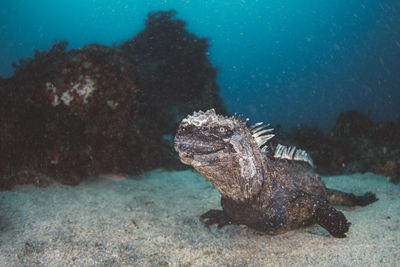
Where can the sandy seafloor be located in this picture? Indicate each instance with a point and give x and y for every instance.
(152, 220)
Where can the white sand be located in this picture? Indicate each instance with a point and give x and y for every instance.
(152, 220)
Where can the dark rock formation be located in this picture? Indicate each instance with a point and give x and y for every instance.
(68, 114)
(176, 78)
(355, 144)
(175, 72)
(352, 123)
(72, 114)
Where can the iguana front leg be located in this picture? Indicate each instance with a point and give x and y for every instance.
(307, 209)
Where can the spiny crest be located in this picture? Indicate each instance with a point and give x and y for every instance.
(261, 134)
(201, 118)
(239, 118)
(291, 153)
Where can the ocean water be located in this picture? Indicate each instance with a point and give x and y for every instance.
(286, 62)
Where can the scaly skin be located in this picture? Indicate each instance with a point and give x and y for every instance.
(270, 191)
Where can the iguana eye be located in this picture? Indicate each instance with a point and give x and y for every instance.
(222, 131)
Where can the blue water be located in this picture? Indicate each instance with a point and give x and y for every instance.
(286, 62)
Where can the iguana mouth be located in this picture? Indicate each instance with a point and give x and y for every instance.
(197, 147)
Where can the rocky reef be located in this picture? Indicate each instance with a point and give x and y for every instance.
(175, 73)
(355, 144)
(65, 114)
(176, 77)
(99, 109)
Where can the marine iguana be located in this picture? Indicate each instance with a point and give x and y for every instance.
(268, 187)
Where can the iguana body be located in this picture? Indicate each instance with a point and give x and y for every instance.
(270, 188)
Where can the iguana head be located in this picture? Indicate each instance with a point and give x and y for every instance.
(204, 137)
(224, 150)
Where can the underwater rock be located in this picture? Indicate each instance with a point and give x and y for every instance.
(351, 123)
(68, 114)
(99, 109)
(355, 144)
(176, 77)
(175, 73)
(24, 177)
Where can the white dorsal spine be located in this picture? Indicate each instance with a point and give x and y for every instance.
(262, 127)
(260, 135)
(262, 140)
(251, 128)
(291, 153)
